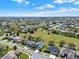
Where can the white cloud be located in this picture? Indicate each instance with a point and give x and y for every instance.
(63, 1)
(59, 1)
(68, 10)
(33, 4)
(76, 2)
(26, 3)
(62, 11)
(40, 7)
(45, 6)
(71, 1)
(19, 1)
(49, 6)
(59, 12)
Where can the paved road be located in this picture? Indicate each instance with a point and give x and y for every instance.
(24, 49)
(10, 55)
(21, 49)
(3, 36)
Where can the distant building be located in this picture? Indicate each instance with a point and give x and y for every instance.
(16, 39)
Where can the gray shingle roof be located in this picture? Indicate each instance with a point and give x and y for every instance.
(39, 56)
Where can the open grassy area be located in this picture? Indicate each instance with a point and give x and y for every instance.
(23, 56)
(56, 38)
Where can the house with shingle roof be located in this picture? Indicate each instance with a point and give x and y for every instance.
(10, 55)
(36, 55)
(67, 52)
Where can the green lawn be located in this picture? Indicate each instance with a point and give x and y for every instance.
(4, 50)
(23, 56)
(56, 38)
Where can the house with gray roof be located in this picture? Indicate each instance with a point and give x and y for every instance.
(39, 45)
(53, 49)
(77, 55)
(10, 55)
(29, 43)
(39, 56)
(67, 52)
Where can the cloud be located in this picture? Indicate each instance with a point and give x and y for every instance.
(76, 2)
(49, 6)
(71, 1)
(26, 3)
(19, 1)
(40, 7)
(62, 11)
(45, 6)
(63, 1)
(33, 4)
(68, 10)
(58, 12)
(59, 1)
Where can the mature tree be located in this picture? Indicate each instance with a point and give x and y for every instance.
(14, 48)
(77, 36)
(17, 33)
(30, 37)
(24, 36)
(51, 43)
(72, 45)
(62, 42)
(55, 31)
(37, 39)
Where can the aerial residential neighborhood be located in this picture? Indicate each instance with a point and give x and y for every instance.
(39, 39)
(39, 29)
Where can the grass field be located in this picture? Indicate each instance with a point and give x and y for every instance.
(56, 38)
(23, 56)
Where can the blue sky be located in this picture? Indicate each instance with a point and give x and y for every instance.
(39, 8)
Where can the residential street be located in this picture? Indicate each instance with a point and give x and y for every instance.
(21, 49)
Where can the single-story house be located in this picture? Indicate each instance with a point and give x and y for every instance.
(67, 52)
(39, 56)
(53, 49)
(39, 45)
(29, 43)
(25, 30)
(10, 55)
(77, 55)
(10, 38)
(16, 38)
